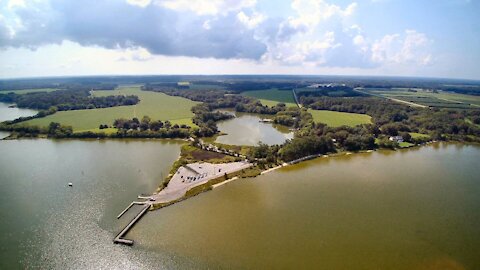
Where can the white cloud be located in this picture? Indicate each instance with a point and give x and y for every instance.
(251, 21)
(412, 48)
(140, 3)
(121, 25)
(312, 12)
(315, 36)
(136, 54)
(15, 3)
(206, 7)
(206, 25)
(302, 52)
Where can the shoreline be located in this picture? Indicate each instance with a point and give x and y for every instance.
(311, 157)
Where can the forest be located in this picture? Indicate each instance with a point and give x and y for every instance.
(388, 118)
(65, 100)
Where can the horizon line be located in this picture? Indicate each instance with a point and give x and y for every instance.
(266, 74)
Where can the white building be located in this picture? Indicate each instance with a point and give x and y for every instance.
(397, 139)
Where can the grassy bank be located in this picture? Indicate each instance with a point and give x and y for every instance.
(336, 119)
(158, 106)
(272, 97)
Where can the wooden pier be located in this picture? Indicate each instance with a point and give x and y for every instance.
(119, 238)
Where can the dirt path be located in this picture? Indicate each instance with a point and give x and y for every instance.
(390, 98)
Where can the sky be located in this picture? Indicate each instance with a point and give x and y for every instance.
(422, 38)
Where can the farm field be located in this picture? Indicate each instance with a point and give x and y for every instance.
(272, 97)
(158, 106)
(430, 99)
(25, 91)
(336, 119)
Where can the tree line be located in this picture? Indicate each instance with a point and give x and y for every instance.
(65, 100)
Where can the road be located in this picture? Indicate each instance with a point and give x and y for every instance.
(390, 98)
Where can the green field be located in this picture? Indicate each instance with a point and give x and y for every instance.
(416, 135)
(272, 97)
(336, 119)
(405, 144)
(25, 91)
(429, 98)
(158, 106)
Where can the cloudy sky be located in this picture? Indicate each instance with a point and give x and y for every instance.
(433, 38)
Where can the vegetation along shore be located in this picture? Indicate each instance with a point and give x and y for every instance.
(328, 119)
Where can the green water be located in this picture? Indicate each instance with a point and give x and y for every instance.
(246, 129)
(412, 209)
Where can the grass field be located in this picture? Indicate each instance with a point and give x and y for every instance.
(405, 144)
(272, 97)
(336, 119)
(418, 135)
(430, 99)
(25, 91)
(156, 105)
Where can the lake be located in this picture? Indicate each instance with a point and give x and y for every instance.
(247, 129)
(409, 209)
(7, 113)
(46, 224)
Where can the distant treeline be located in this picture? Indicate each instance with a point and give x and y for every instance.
(165, 86)
(233, 87)
(65, 100)
(218, 99)
(328, 91)
(56, 130)
(10, 85)
(242, 86)
(392, 118)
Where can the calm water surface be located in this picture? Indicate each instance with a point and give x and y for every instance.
(7, 113)
(45, 224)
(246, 129)
(413, 209)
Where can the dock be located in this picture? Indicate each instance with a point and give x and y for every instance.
(119, 239)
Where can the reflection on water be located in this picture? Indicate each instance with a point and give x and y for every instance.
(247, 129)
(412, 209)
(46, 224)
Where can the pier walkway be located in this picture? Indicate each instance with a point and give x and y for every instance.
(119, 239)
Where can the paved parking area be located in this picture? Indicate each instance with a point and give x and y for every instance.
(195, 174)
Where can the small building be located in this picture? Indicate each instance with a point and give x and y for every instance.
(397, 139)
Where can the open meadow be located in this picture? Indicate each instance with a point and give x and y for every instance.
(157, 106)
(336, 119)
(428, 98)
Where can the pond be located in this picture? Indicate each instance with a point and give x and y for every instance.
(248, 129)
